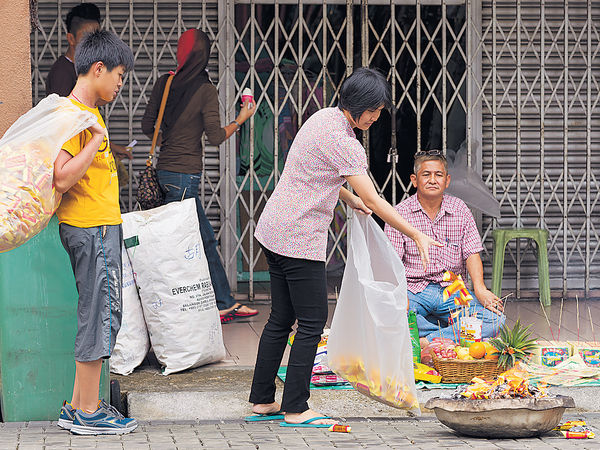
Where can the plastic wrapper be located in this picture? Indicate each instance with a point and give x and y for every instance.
(467, 184)
(327, 379)
(576, 429)
(340, 428)
(414, 336)
(27, 154)
(369, 343)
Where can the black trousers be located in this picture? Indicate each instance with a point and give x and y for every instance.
(298, 291)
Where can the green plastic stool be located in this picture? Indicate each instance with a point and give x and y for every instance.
(501, 237)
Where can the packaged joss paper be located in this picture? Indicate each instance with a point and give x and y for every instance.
(369, 344)
(27, 154)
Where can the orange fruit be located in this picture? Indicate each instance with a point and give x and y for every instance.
(477, 350)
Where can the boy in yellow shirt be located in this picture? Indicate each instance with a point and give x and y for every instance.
(91, 233)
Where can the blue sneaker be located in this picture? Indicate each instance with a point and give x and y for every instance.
(105, 420)
(67, 414)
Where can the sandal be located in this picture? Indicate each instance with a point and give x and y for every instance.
(236, 313)
(226, 318)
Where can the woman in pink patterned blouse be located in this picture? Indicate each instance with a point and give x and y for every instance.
(292, 231)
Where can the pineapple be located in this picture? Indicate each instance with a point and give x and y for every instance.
(513, 345)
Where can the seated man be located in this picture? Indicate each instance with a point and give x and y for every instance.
(448, 220)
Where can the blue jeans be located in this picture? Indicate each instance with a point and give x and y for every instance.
(179, 186)
(433, 313)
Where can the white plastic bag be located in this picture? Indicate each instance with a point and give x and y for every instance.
(167, 255)
(28, 150)
(369, 344)
(467, 184)
(132, 341)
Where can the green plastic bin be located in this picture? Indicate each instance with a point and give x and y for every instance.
(38, 323)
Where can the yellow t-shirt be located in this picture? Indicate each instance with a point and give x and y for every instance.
(94, 200)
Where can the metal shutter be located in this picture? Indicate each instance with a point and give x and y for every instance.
(541, 137)
(151, 28)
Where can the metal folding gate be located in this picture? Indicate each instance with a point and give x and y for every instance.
(517, 82)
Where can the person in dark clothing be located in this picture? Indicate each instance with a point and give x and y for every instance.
(192, 109)
(81, 20)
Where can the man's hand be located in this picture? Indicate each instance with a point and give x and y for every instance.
(97, 130)
(489, 300)
(121, 151)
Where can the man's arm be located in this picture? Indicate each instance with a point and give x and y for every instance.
(69, 169)
(487, 298)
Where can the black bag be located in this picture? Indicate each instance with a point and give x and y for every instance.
(149, 193)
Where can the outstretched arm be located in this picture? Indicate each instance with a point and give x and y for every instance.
(354, 201)
(365, 189)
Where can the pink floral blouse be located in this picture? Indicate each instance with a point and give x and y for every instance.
(296, 218)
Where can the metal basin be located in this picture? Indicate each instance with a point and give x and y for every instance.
(502, 418)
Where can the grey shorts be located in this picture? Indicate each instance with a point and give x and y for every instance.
(95, 255)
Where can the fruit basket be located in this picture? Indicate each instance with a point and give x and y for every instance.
(463, 371)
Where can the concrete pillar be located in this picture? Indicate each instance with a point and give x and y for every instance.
(15, 64)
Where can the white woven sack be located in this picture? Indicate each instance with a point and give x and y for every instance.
(167, 255)
(133, 342)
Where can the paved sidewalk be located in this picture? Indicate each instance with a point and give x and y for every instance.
(425, 433)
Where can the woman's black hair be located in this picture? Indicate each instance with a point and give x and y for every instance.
(365, 90)
(105, 46)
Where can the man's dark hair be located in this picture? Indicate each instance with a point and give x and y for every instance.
(80, 14)
(105, 46)
(365, 90)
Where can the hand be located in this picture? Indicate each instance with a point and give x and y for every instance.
(121, 151)
(247, 110)
(97, 130)
(423, 243)
(489, 300)
(357, 204)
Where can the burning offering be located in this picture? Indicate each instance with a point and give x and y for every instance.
(513, 383)
(508, 406)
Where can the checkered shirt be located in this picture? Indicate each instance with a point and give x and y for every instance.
(454, 227)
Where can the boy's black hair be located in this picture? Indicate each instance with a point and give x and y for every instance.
(80, 14)
(105, 46)
(366, 89)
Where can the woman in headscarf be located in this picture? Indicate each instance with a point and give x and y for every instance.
(192, 109)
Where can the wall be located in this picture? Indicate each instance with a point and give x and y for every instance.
(15, 64)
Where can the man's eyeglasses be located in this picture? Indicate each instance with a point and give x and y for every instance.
(433, 152)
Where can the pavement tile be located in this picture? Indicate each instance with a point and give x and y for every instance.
(386, 433)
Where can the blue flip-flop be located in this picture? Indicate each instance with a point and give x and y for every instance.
(307, 423)
(264, 417)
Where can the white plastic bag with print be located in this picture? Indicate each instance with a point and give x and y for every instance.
(132, 341)
(28, 150)
(369, 343)
(167, 255)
